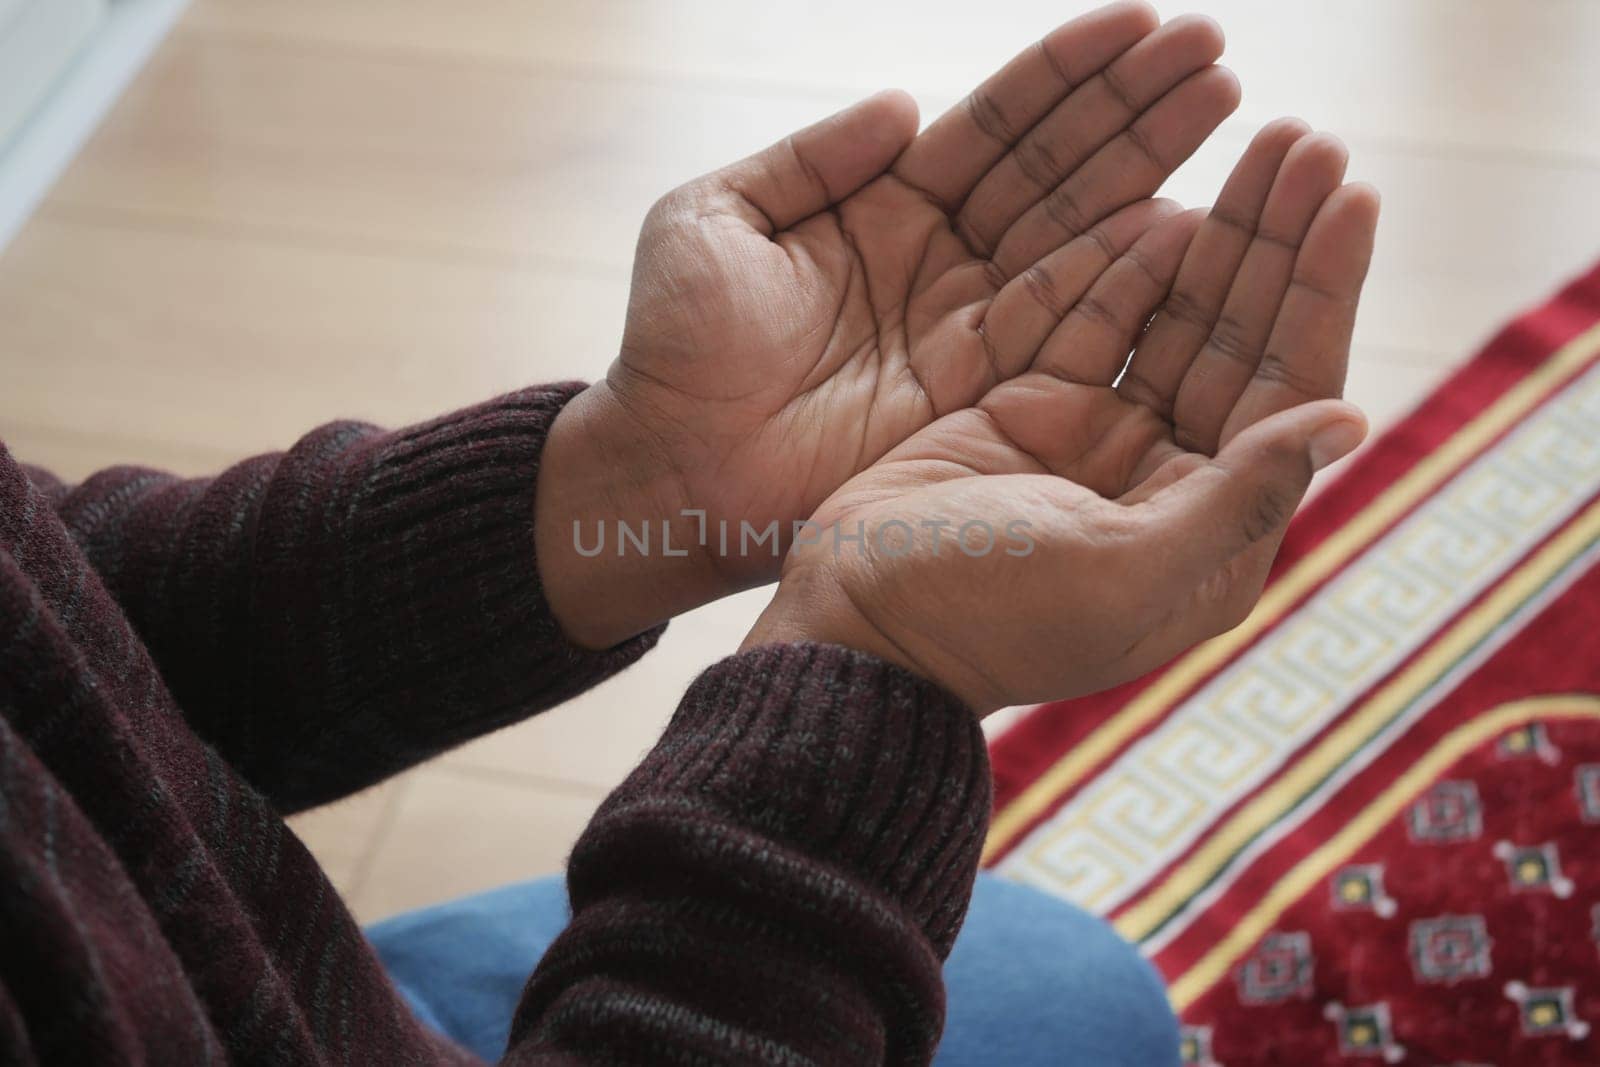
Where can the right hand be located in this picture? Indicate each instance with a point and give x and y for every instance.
(1154, 499)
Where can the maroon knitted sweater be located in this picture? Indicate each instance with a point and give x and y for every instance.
(183, 662)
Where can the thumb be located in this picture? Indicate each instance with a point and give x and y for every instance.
(1246, 495)
(821, 164)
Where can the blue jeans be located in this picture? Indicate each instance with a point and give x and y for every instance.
(1031, 980)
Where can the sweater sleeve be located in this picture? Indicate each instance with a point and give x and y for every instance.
(778, 882)
(330, 615)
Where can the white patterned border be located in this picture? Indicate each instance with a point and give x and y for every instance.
(1161, 795)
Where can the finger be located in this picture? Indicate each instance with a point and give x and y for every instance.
(1095, 112)
(950, 156)
(1232, 350)
(1029, 307)
(1184, 321)
(1308, 352)
(818, 166)
(1245, 496)
(1132, 165)
(1091, 344)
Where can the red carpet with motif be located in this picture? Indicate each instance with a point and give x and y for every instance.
(1364, 826)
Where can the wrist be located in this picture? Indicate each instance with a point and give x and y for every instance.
(812, 606)
(616, 555)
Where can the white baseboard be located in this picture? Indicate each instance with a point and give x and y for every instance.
(39, 39)
(52, 135)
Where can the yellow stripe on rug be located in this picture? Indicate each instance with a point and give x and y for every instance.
(1188, 671)
(1359, 727)
(1215, 964)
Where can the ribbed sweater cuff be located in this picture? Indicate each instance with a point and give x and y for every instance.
(840, 764)
(443, 630)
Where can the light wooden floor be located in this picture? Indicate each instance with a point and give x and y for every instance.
(383, 208)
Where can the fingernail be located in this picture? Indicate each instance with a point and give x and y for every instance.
(1336, 440)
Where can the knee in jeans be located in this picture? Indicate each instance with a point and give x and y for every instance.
(1047, 981)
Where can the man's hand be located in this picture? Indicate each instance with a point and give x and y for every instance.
(1120, 510)
(798, 314)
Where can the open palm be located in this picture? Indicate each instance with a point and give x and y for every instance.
(1231, 315)
(797, 315)
(1154, 490)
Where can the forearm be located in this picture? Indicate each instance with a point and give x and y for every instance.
(329, 615)
(784, 872)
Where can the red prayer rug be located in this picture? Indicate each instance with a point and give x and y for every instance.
(1364, 826)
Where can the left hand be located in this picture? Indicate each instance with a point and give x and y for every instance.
(1124, 509)
(798, 314)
